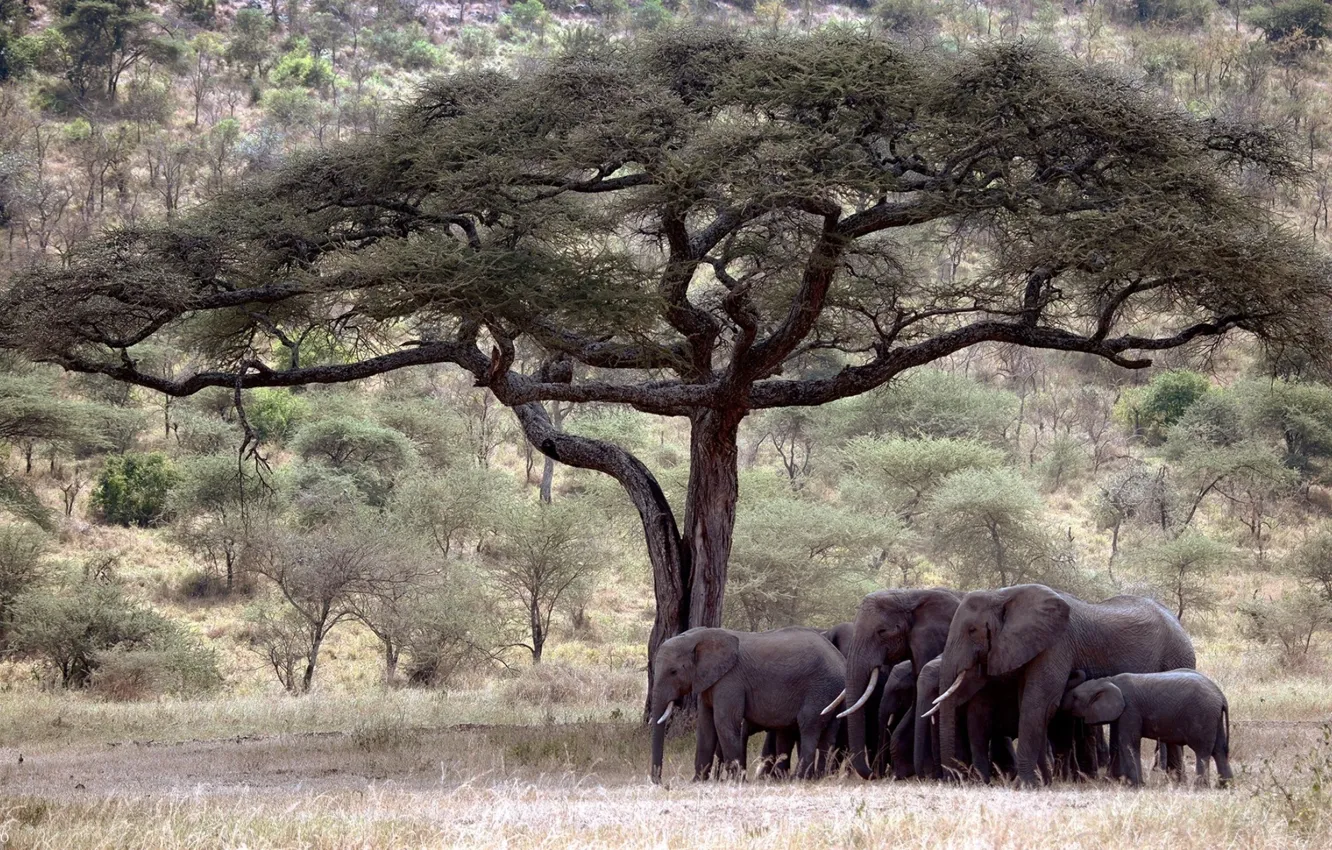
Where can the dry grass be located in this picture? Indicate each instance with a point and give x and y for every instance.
(584, 786)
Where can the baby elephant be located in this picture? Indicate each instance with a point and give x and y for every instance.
(1177, 707)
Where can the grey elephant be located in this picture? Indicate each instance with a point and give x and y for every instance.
(1181, 707)
(891, 626)
(897, 721)
(772, 680)
(1041, 636)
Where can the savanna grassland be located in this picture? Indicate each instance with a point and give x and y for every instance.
(389, 621)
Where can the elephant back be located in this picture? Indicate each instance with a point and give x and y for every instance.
(1144, 636)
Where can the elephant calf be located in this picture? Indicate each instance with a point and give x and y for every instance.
(776, 680)
(1180, 707)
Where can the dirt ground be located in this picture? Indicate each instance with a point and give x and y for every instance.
(585, 785)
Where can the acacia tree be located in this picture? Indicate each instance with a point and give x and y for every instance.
(705, 225)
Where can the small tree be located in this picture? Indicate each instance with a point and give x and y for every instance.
(22, 568)
(317, 573)
(1290, 622)
(1149, 411)
(1311, 562)
(1137, 493)
(539, 555)
(898, 475)
(934, 403)
(371, 454)
(69, 628)
(799, 561)
(208, 505)
(1183, 570)
(986, 525)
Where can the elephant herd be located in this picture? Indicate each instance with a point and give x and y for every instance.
(932, 683)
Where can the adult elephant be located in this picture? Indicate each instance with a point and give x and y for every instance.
(771, 680)
(891, 626)
(1042, 636)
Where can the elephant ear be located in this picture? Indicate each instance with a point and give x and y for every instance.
(1034, 617)
(715, 653)
(1106, 705)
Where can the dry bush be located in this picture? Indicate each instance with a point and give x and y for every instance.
(561, 684)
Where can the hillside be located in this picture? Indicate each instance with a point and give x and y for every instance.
(294, 588)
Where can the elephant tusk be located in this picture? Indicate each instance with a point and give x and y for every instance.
(864, 698)
(932, 711)
(952, 689)
(841, 698)
(666, 715)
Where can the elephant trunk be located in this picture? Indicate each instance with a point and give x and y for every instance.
(660, 714)
(857, 681)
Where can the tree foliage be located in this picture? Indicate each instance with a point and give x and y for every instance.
(707, 224)
(132, 488)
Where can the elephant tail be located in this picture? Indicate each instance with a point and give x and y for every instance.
(1225, 719)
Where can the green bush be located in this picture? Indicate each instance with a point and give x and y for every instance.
(474, 44)
(275, 413)
(290, 109)
(1309, 19)
(72, 629)
(132, 489)
(529, 16)
(298, 68)
(1149, 411)
(1178, 13)
(651, 16)
(908, 17)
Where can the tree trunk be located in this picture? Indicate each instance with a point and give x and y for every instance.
(308, 677)
(548, 469)
(391, 653)
(666, 552)
(538, 633)
(710, 511)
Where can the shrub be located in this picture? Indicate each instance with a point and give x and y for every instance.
(560, 684)
(529, 16)
(1290, 622)
(299, 68)
(132, 489)
(1152, 409)
(22, 553)
(1177, 13)
(908, 17)
(651, 16)
(474, 44)
(204, 434)
(130, 674)
(1307, 19)
(275, 413)
(371, 454)
(72, 629)
(1064, 461)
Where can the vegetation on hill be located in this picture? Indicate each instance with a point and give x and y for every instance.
(413, 517)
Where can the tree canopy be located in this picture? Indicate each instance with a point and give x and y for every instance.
(706, 224)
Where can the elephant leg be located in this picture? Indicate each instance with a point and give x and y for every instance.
(1130, 756)
(728, 721)
(1223, 774)
(1114, 761)
(1002, 757)
(901, 747)
(706, 744)
(978, 734)
(923, 750)
(1084, 751)
(811, 739)
(1038, 705)
(1174, 758)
